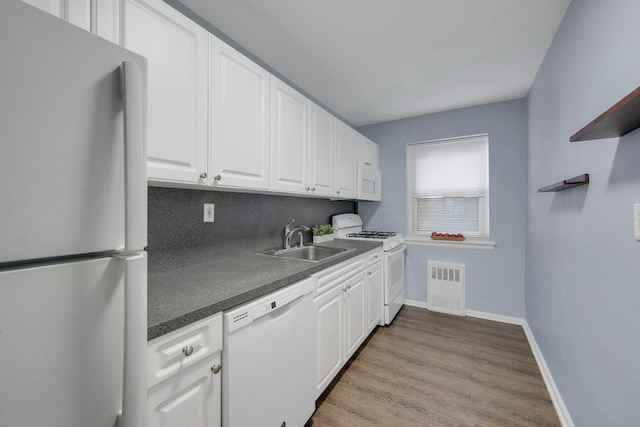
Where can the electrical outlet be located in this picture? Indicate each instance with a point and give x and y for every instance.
(636, 221)
(208, 212)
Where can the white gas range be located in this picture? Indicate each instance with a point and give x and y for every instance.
(349, 226)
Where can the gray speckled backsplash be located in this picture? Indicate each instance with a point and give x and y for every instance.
(244, 223)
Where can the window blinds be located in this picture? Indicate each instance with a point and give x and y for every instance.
(449, 186)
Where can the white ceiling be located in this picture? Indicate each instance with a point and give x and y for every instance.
(372, 61)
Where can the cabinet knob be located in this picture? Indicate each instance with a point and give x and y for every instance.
(215, 369)
(307, 188)
(203, 175)
(338, 192)
(369, 273)
(188, 351)
(217, 177)
(313, 188)
(367, 163)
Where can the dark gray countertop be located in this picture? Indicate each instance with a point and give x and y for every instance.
(179, 297)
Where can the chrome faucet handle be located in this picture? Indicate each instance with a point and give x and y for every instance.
(287, 227)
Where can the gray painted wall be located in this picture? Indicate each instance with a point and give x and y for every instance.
(583, 264)
(494, 279)
(244, 223)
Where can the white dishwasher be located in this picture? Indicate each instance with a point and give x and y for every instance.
(268, 360)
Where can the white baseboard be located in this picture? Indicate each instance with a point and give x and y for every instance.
(556, 398)
(496, 317)
(414, 303)
(554, 393)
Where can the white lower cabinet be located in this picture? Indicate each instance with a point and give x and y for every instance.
(373, 281)
(345, 312)
(190, 399)
(354, 290)
(184, 376)
(329, 326)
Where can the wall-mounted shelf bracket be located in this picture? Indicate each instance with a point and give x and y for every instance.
(567, 183)
(618, 120)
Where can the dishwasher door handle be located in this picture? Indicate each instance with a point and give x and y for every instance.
(274, 304)
(278, 307)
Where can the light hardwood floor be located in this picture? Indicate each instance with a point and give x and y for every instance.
(431, 369)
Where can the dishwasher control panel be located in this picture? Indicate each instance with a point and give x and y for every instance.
(277, 300)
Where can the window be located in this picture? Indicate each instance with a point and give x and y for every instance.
(448, 187)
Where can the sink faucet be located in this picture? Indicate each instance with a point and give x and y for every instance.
(288, 232)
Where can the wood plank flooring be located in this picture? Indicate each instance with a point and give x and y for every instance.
(431, 369)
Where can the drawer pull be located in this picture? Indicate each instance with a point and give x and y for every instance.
(188, 350)
(215, 369)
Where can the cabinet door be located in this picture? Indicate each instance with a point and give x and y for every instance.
(177, 50)
(367, 152)
(321, 146)
(239, 119)
(190, 399)
(289, 138)
(328, 315)
(76, 12)
(344, 175)
(354, 309)
(107, 20)
(374, 296)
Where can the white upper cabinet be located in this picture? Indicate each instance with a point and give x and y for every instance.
(289, 138)
(345, 173)
(106, 22)
(77, 12)
(239, 119)
(367, 152)
(177, 50)
(321, 151)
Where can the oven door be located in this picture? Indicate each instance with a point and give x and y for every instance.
(369, 183)
(393, 273)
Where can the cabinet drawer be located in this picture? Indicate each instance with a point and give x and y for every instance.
(176, 351)
(327, 279)
(374, 257)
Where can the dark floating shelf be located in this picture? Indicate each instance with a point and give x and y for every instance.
(567, 183)
(618, 120)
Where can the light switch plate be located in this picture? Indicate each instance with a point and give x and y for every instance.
(208, 212)
(636, 221)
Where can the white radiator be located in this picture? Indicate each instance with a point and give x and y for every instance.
(445, 287)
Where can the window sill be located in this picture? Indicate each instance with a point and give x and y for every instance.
(465, 244)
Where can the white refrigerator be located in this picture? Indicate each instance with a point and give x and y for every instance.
(73, 226)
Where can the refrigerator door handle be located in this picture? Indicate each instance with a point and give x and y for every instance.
(134, 393)
(131, 85)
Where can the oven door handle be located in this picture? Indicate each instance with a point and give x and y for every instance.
(397, 249)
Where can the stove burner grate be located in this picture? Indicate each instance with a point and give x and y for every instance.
(373, 234)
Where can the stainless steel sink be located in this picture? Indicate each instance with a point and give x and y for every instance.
(308, 253)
